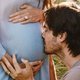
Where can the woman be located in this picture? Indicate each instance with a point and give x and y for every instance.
(23, 40)
(29, 14)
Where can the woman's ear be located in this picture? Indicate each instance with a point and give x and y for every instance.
(61, 37)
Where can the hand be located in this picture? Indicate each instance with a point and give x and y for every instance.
(36, 65)
(16, 71)
(27, 14)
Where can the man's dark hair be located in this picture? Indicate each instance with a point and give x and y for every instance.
(66, 18)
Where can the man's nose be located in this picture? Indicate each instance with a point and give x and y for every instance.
(43, 34)
(42, 31)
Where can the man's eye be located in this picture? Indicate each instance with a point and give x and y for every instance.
(46, 30)
(44, 26)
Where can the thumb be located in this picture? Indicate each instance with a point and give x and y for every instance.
(35, 63)
(26, 62)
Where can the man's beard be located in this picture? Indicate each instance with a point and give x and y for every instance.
(46, 52)
(49, 53)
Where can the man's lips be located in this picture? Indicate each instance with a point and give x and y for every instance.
(43, 40)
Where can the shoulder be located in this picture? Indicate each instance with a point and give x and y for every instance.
(74, 74)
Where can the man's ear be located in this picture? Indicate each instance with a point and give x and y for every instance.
(61, 37)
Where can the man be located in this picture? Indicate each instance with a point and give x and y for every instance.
(61, 33)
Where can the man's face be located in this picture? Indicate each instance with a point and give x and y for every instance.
(50, 41)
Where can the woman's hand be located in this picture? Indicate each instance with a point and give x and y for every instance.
(36, 65)
(18, 73)
(27, 14)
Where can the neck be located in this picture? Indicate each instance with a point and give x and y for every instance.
(69, 60)
(67, 57)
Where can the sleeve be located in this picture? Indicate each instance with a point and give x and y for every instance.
(2, 51)
(73, 75)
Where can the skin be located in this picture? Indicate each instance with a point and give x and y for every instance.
(17, 72)
(51, 43)
(36, 65)
(25, 15)
(57, 45)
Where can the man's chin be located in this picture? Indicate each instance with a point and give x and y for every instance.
(48, 53)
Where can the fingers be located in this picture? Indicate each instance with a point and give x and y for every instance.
(14, 18)
(23, 20)
(16, 13)
(5, 68)
(26, 21)
(26, 15)
(16, 65)
(30, 19)
(18, 16)
(8, 65)
(9, 58)
(25, 6)
(36, 66)
(35, 63)
(27, 64)
(28, 67)
(17, 19)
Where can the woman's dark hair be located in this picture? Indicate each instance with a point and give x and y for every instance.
(66, 18)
